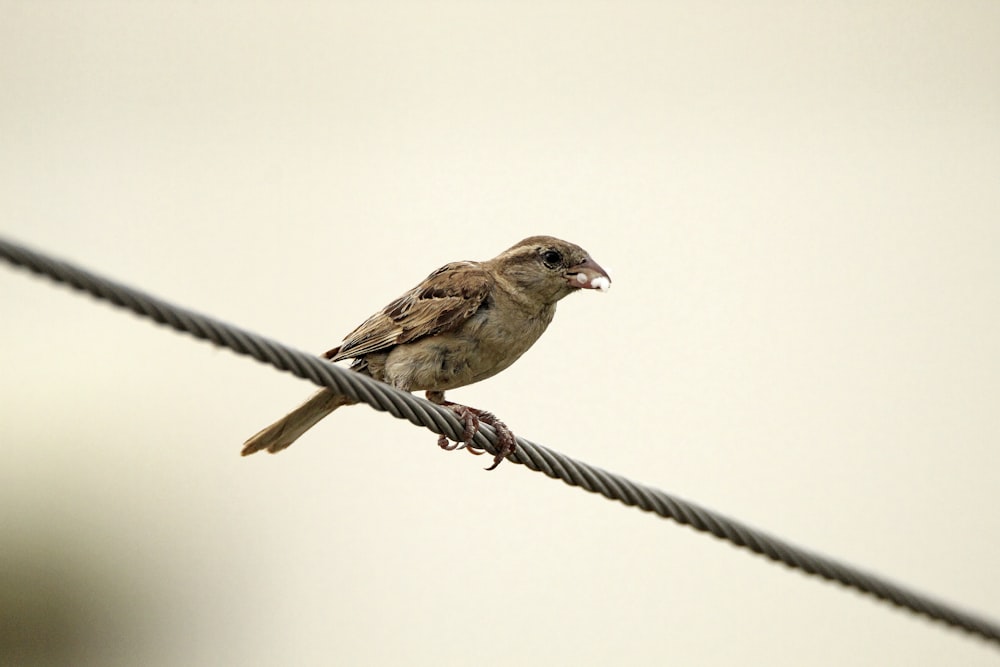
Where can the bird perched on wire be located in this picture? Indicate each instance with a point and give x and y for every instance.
(465, 322)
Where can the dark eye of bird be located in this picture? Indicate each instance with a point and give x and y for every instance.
(552, 258)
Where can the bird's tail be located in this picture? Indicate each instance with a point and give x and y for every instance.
(287, 430)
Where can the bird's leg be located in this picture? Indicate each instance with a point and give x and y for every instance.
(471, 418)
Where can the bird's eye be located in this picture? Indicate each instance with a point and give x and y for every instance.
(552, 258)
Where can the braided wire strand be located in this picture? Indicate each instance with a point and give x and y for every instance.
(442, 421)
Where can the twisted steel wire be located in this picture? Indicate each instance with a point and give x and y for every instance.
(534, 456)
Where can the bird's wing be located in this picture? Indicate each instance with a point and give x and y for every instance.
(444, 300)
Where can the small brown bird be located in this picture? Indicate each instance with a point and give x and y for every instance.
(465, 322)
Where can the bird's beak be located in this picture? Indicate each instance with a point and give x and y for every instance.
(588, 274)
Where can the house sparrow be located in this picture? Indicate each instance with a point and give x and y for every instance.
(465, 322)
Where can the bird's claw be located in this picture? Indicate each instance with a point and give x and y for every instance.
(506, 442)
(445, 444)
(471, 418)
(470, 421)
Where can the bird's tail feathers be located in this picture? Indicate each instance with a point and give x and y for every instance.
(289, 428)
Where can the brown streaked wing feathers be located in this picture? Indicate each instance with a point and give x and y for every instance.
(444, 300)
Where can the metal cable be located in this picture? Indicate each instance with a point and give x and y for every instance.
(443, 421)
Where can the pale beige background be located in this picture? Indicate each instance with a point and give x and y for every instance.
(799, 203)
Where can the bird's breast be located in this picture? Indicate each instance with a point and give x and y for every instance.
(485, 344)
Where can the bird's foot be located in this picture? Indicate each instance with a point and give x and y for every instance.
(470, 421)
(471, 418)
(506, 442)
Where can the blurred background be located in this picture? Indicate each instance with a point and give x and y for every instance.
(799, 205)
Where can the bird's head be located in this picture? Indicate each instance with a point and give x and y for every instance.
(551, 268)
